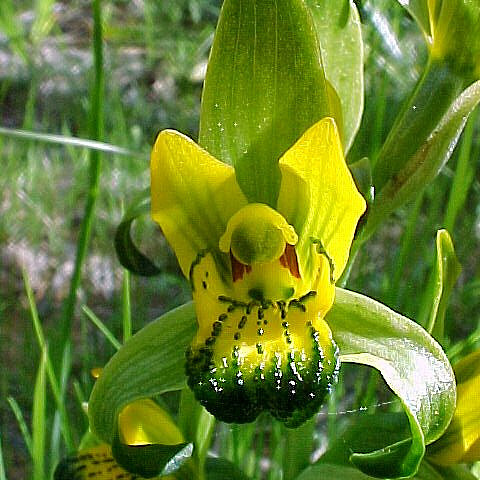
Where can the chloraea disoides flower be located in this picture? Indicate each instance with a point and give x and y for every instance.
(262, 275)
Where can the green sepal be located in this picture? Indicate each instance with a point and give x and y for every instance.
(421, 143)
(151, 460)
(150, 363)
(264, 87)
(128, 254)
(413, 365)
(447, 270)
(339, 33)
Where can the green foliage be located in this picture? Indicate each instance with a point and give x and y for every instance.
(150, 363)
(369, 333)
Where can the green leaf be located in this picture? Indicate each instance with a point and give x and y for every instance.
(420, 145)
(151, 460)
(150, 363)
(447, 270)
(413, 365)
(369, 432)
(128, 254)
(264, 87)
(339, 33)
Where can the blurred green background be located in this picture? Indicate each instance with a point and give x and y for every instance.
(155, 55)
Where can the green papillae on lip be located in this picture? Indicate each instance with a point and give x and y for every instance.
(273, 356)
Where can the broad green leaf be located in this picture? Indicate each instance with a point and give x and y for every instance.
(150, 363)
(413, 365)
(339, 33)
(264, 87)
(447, 270)
(416, 151)
(128, 254)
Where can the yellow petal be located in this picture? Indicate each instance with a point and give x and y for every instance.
(193, 196)
(143, 422)
(319, 198)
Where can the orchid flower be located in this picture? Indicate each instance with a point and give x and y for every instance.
(263, 276)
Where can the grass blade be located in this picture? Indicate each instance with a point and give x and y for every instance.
(27, 437)
(66, 140)
(102, 327)
(51, 375)
(3, 475)
(38, 420)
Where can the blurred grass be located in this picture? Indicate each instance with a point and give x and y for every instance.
(153, 63)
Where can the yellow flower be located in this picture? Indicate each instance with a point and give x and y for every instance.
(140, 423)
(262, 275)
(461, 441)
